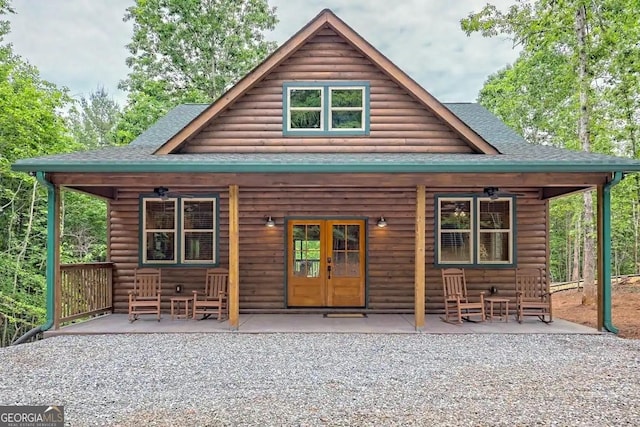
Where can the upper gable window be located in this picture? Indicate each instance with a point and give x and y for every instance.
(322, 108)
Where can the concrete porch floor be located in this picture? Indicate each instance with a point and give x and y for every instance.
(315, 323)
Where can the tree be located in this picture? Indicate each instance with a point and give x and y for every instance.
(93, 124)
(573, 45)
(189, 51)
(29, 126)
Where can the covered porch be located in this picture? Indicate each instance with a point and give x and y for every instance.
(315, 323)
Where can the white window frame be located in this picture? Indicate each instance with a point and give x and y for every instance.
(184, 230)
(179, 231)
(320, 108)
(475, 230)
(361, 109)
(146, 231)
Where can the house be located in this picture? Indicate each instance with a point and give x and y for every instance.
(325, 179)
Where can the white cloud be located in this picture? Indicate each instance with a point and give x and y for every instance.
(80, 44)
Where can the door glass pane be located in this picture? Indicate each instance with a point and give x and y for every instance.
(353, 237)
(346, 250)
(306, 250)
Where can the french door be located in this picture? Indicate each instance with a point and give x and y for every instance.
(325, 265)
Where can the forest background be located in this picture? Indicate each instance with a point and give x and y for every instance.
(575, 84)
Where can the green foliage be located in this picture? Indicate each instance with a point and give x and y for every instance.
(93, 121)
(539, 97)
(189, 51)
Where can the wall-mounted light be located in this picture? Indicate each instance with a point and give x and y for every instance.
(269, 222)
(382, 222)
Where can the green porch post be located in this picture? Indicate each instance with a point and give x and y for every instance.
(53, 203)
(604, 211)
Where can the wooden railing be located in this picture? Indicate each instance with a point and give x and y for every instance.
(85, 289)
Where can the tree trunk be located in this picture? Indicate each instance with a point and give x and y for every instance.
(588, 265)
(575, 268)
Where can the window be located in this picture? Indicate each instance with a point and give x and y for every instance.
(472, 230)
(179, 231)
(321, 108)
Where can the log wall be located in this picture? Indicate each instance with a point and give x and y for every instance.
(390, 250)
(398, 122)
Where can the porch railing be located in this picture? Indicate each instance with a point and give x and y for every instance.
(85, 290)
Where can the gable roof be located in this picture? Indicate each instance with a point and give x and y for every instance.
(324, 19)
(517, 155)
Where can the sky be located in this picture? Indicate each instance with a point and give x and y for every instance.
(81, 44)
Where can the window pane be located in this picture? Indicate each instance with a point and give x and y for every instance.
(455, 214)
(305, 120)
(346, 119)
(160, 214)
(495, 215)
(305, 98)
(160, 246)
(494, 247)
(198, 246)
(346, 98)
(455, 247)
(198, 214)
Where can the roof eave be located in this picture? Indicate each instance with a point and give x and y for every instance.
(450, 167)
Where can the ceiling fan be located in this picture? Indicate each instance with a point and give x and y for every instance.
(164, 193)
(494, 193)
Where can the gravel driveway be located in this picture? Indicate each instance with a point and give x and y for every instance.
(329, 379)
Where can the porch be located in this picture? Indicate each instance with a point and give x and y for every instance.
(315, 323)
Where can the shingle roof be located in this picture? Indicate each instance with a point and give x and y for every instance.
(516, 154)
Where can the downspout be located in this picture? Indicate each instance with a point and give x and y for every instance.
(51, 202)
(606, 252)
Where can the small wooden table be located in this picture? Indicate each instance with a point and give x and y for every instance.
(503, 308)
(176, 311)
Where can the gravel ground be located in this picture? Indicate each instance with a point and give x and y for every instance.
(328, 379)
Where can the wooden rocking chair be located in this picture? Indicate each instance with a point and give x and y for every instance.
(145, 296)
(456, 301)
(533, 296)
(214, 298)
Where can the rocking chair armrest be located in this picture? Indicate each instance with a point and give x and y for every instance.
(222, 294)
(132, 292)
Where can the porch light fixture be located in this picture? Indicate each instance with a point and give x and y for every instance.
(382, 223)
(270, 222)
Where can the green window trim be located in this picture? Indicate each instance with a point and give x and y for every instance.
(323, 111)
(484, 233)
(177, 239)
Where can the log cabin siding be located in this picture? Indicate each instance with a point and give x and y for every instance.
(390, 250)
(399, 123)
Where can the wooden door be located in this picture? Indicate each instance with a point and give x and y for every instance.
(325, 266)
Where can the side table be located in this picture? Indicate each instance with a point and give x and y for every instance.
(502, 311)
(177, 311)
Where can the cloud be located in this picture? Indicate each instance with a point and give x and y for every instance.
(80, 44)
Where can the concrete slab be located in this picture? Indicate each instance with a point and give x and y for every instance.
(315, 323)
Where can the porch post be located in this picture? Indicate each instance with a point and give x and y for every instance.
(600, 262)
(419, 257)
(604, 254)
(234, 259)
(57, 294)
